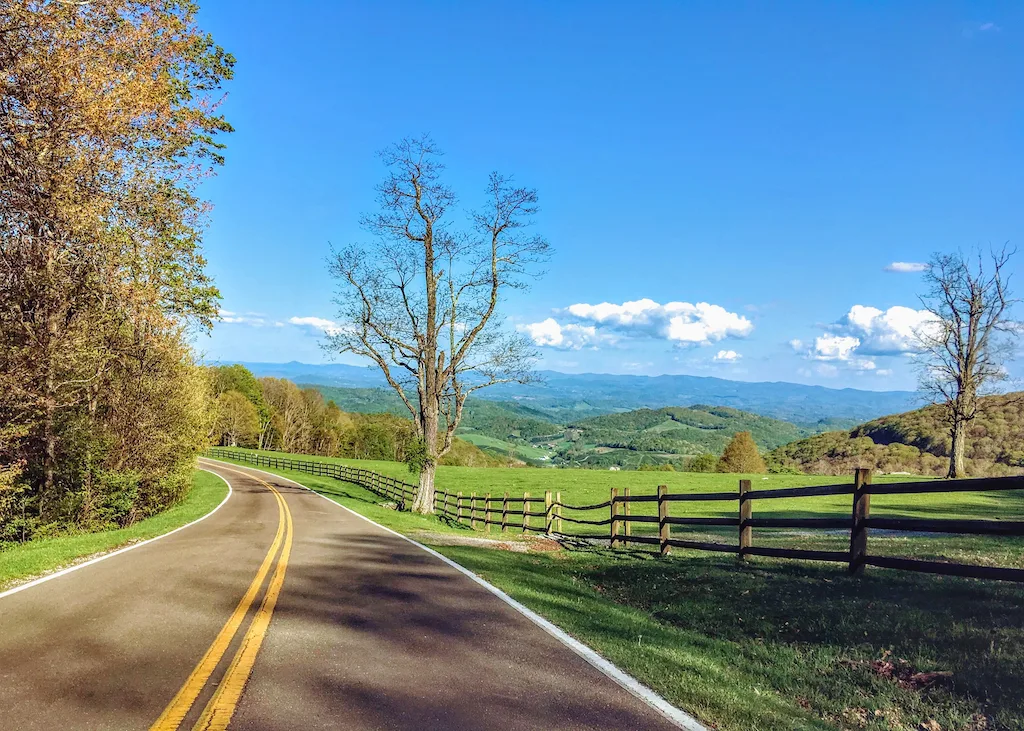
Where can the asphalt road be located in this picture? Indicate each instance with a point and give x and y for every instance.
(284, 611)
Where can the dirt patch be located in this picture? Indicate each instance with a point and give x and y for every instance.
(522, 545)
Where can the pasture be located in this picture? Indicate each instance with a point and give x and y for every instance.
(588, 487)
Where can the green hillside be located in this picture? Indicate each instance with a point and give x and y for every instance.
(917, 442)
(685, 430)
(626, 440)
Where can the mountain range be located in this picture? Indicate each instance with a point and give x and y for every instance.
(566, 397)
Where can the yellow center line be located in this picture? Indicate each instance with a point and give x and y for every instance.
(217, 714)
(178, 708)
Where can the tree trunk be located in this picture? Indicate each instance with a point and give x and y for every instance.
(49, 443)
(87, 498)
(424, 502)
(956, 452)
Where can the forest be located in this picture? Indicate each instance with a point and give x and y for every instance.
(917, 442)
(276, 414)
(109, 123)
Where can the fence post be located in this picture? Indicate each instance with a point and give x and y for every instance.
(613, 511)
(558, 511)
(504, 514)
(861, 512)
(626, 511)
(444, 504)
(458, 507)
(487, 513)
(526, 512)
(746, 513)
(547, 512)
(472, 511)
(663, 528)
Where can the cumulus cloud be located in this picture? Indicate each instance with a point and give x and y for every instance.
(989, 26)
(329, 327)
(906, 267)
(890, 332)
(552, 334)
(727, 356)
(680, 322)
(864, 333)
(833, 347)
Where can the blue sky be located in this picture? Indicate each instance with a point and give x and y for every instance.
(742, 176)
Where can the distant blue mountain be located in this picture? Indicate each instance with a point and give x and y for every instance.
(567, 397)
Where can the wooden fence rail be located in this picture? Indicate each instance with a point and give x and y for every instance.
(525, 514)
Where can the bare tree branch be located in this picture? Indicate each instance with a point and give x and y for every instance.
(423, 297)
(970, 338)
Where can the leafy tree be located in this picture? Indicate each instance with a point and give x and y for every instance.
(238, 422)
(239, 378)
(705, 462)
(421, 302)
(108, 123)
(968, 341)
(741, 455)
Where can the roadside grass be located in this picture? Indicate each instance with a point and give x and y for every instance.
(24, 561)
(769, 644)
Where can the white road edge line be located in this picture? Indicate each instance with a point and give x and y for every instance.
(105, 556)
(677, 716)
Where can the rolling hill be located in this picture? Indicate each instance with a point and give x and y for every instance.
(509, 429)
(915, 441)
(564, 397)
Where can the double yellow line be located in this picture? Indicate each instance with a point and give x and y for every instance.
(217, 714)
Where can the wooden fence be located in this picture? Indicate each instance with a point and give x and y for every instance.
(546, 515)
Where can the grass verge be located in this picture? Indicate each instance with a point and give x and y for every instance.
(769, 644)
(21, 562)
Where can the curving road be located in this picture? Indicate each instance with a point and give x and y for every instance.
(284, 611)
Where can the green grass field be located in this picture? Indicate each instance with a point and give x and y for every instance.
(502, 447)
(586, 487)
(768, 644)
(21, 562)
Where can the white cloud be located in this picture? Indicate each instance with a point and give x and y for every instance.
(865, 333)
(990, 26)
(906, 267)
(681, 322)
(329, 327)
(551, 334)
(253, 319)
(727, 356)
(890, 332)
(833, 347)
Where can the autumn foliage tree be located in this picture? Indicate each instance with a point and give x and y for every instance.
(741, 455)
(108, 121)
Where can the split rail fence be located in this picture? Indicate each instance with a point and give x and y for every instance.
(546, 514)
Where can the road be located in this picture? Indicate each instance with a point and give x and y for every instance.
(284, 611)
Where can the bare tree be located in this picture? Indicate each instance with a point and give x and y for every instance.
(421, 301)
(969, 339)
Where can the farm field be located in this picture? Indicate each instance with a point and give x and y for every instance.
(499, 446)
(766, 644)
(22, 561)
